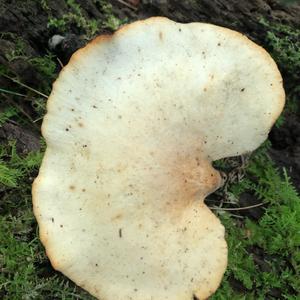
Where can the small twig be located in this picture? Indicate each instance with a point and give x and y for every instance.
(236, 216)
(12, 122)
(60, 63)
(127, 4)
(12, 93)
(218, 201)
(38, 119)
(238, 208)
(25, 86)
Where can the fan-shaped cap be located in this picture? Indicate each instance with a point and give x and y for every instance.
(133, 123)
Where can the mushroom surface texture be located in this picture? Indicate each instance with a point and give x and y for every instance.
(132, 125)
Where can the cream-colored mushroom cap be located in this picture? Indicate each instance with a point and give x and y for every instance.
(133, 123)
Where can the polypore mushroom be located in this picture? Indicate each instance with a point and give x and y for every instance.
(133, 123)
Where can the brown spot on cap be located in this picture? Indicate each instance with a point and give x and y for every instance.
(117, 217)
(160, 35)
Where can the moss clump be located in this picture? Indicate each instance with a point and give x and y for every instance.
(283, 42)
(275, 236)
(85, 25)
(25, 270)
(19, 50)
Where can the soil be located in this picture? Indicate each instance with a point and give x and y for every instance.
(286, 147)
(26, 19)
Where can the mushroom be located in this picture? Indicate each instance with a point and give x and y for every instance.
(134, 122)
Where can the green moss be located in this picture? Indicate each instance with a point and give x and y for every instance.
(283, 43)
(47, 67)
(19, 50)
(21, 261)
(7, 113)
(14, 168)
(25, 271)
(111, 22)
(44, 4)
(276, 234)
(85, 25)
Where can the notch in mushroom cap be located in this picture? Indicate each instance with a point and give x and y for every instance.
(133, 123)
